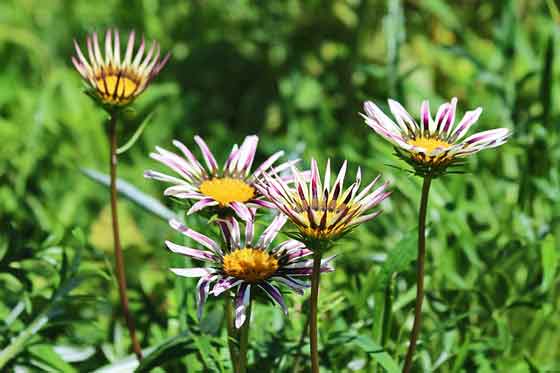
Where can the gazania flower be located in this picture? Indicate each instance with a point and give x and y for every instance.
(322, 213)
(247, 266)
(116, 81)
(232, 187)
(436, 143)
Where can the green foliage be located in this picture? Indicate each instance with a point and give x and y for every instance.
(296, 74)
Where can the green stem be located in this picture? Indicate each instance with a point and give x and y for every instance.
(313, 342)
(419, 273)
(244, 341)
(231, 333)
(119, 261)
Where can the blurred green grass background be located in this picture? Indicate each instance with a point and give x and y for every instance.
(295, 73)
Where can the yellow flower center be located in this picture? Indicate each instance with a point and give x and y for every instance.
(333, 226)
(251, 265)
(429, 144)
(226, 190)
(321, 233)
(116, 89)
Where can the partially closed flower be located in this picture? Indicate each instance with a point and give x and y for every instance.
(321, 212)
(117, 80)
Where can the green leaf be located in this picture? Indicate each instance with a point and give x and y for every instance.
(532, 367)
(206, 351)
(398, 259)
(47, 355)
(549, 258)
(3, 249)
(377, 352)
(174, 348)
(554, 12)
(18, 344)
(78, 234)
(443, 12)
(546, 80)
(394, 27)
(20, 275)
(136, 134)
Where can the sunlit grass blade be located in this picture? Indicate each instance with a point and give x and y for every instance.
(128, 190)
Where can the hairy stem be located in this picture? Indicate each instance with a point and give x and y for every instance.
(119, 261)
(419, 273)
(244, 342)
(315, 277)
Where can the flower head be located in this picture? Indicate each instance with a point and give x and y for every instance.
(247, 265)
(114, 81)
(232, 187)
(435, 144)
(321, 213)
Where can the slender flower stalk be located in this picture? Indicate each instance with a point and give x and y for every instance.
(430, 148)
(313, 335)
(322, 215)
(114, 83)
(419, 273)
(119, 261)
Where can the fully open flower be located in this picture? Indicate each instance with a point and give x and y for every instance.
(116, 81)
(321, 213)
(231, 187)
(436, 143)
(246, 265)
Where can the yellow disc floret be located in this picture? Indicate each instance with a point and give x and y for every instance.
(430, 144)
(329, 227)
(227, 189)
(115, 89)
(251, 265)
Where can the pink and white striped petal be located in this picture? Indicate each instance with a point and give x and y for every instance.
(404, 120)
(241, 210)
(187, 251)
(198, 237)
(207, 154)
(242, 301)
(192, 272)
(271, 231)
(247, 155)
(202, 204)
